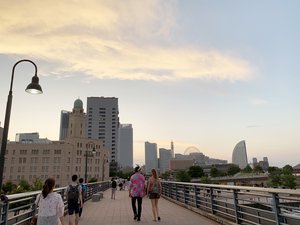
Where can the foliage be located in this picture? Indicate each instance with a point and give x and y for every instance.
(247, 169)
(282, 177)
(183, 176)
(37, 185)
(196, 171)
(205, 180)
(8, 187)
(214, 172)
(233, 169)
(258, 169)
(166, 175)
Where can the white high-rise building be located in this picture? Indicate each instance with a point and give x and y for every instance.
(103, 122)
(239, 155)
(125, 146)
(165, 156)
(151, 161)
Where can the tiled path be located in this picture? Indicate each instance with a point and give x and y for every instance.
(119, 212)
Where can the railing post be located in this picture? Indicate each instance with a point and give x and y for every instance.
(184, 195)
(176, 192)
(276, 208)
(236, 208)
(212, 200)
(196, 196)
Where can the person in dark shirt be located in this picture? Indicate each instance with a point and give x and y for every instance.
(113, 188)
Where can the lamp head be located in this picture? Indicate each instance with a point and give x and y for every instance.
(94, 151)
(34, 87)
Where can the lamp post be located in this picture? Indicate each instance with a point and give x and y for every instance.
(87, 154)
(33, 88)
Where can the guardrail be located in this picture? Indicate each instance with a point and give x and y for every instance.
(18, 209)
(238, 204)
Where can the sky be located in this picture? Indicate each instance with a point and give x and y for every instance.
(202, 73)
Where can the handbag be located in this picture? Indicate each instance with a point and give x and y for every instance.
(34, 217)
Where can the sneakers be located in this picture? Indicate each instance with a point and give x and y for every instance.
(158, 218)
(135, 217)
(139, 219)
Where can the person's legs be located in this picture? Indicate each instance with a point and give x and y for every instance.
(76, 219)
(133, 200)
(71, 213)
(156, 208)
(139, 199)
(153, 208)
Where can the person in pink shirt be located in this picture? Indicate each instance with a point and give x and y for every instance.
(137, 192)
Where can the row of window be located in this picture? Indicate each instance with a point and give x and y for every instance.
(36, 151)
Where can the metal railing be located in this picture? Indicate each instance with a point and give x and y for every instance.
(239, 204)
(18, 209)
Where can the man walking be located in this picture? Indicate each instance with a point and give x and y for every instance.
(84, 190)
(74, 199)
(137, 192)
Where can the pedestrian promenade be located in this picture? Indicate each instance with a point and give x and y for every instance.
(119, 212)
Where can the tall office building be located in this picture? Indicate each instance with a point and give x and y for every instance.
(172, 149)
(165, 156)
(239, 155)
(151, 161)
(103, 122)
(125, 146)
(64, 124)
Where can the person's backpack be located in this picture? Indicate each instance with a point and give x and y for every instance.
(155, 187)
(73, 194)
(114, 184)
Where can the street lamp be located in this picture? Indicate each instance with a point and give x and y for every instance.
(32, 88)
(88, 154)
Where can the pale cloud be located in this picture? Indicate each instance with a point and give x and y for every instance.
(259, 102)
(110, 40)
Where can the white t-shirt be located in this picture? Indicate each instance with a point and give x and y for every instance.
(51, 209)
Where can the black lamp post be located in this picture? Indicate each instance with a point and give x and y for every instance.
(87, 154)
(33, 88)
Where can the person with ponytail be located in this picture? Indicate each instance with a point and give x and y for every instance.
(154, 192)
(51, 206)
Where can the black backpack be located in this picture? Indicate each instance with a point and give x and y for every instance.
(114, 184)
(73, 194)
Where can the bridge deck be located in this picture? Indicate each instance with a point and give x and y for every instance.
(119, 212)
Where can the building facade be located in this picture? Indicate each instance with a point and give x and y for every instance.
(165, 156)
(103, 123)
(125, 146)
(151, 161)
(59, 159)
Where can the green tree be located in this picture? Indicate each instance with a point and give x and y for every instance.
(166, 175)
(233, 169)
(289, 180)
(37, 185)
(214, 172)
(274, 177)
(258, 169)
(247, 169)
(183, 176)
(287, 169)
(196, 171)
(8, 187)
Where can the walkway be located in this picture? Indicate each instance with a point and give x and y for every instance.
(119, 212)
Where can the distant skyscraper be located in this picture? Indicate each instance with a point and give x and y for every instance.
(125, 145)
(151, 161)
(64, 124)
(254, 160)
(172, 150)
(239, 155)
(103, 122)
(165, 156)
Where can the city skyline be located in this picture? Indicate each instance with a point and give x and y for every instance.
(199, 73)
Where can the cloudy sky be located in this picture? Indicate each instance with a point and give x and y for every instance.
(202, 73)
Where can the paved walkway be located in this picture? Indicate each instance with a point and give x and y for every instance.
(119, 212)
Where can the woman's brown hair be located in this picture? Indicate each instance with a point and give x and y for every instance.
(48, 186)
(154, 174)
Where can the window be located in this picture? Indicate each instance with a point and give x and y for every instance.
(23, 152)
(57, 152)
(34, 151)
